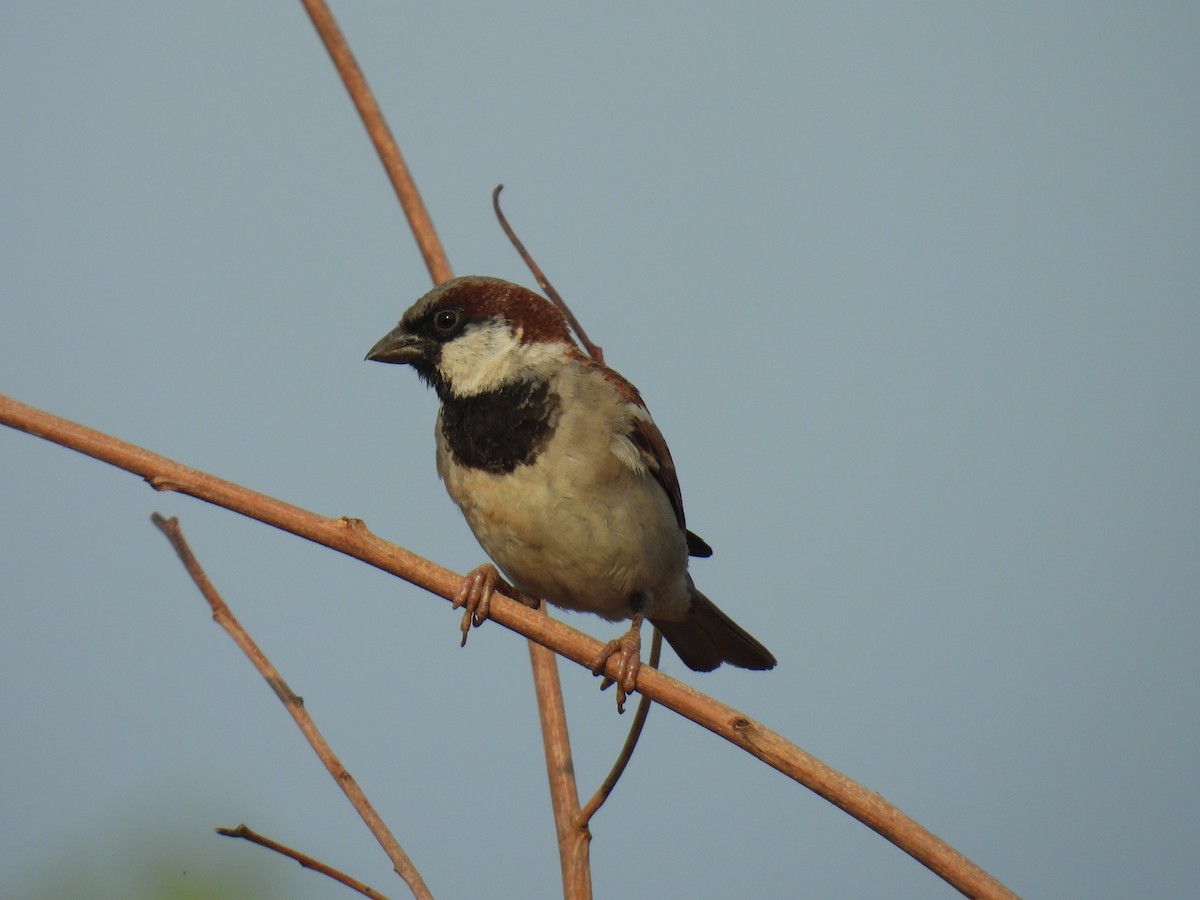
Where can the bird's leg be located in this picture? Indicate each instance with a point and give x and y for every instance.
(475, 596)
(628, 647)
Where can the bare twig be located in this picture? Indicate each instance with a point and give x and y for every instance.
(593, 350)
(381, 136)
(303, 858)
(351, 537)
(224, 617)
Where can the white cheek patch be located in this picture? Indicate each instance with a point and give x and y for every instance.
(489, 356)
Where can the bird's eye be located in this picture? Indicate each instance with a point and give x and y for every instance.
(445, 320)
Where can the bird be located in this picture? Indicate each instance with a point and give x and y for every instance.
(562, 475)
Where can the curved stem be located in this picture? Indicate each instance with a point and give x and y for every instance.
(631, 741)
(593, 350)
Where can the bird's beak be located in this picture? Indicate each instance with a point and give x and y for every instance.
(399, 346)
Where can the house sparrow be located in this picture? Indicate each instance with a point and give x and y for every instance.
(562, 475)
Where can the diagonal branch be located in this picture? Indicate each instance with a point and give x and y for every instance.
(351, 536)
(381, 136)
(224, 617)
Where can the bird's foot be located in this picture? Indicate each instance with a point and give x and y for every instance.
(628, 650)
(475, 596)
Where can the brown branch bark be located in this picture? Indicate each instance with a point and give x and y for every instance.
(381, 136)
(224, 617)
(574, 842)
(351, 536)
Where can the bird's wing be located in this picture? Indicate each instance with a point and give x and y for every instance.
(645, 448)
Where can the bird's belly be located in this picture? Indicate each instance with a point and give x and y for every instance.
(578, 546)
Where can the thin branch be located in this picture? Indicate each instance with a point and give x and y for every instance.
(381, 136)
(410, 199)
(224, 617)
(303, 858)
(351, 537)
(631, 741)
(573, 841)
(593, 350)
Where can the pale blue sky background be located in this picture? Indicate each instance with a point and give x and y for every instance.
(912, 289)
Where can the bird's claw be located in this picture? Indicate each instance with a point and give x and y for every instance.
(628, 649)
(475, 597)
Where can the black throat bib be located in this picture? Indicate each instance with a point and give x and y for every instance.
(502, 429)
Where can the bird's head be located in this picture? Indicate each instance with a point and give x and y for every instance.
(474, 335)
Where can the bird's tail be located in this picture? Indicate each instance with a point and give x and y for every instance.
(708, 637)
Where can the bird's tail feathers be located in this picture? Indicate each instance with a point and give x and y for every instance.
(708, 637)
